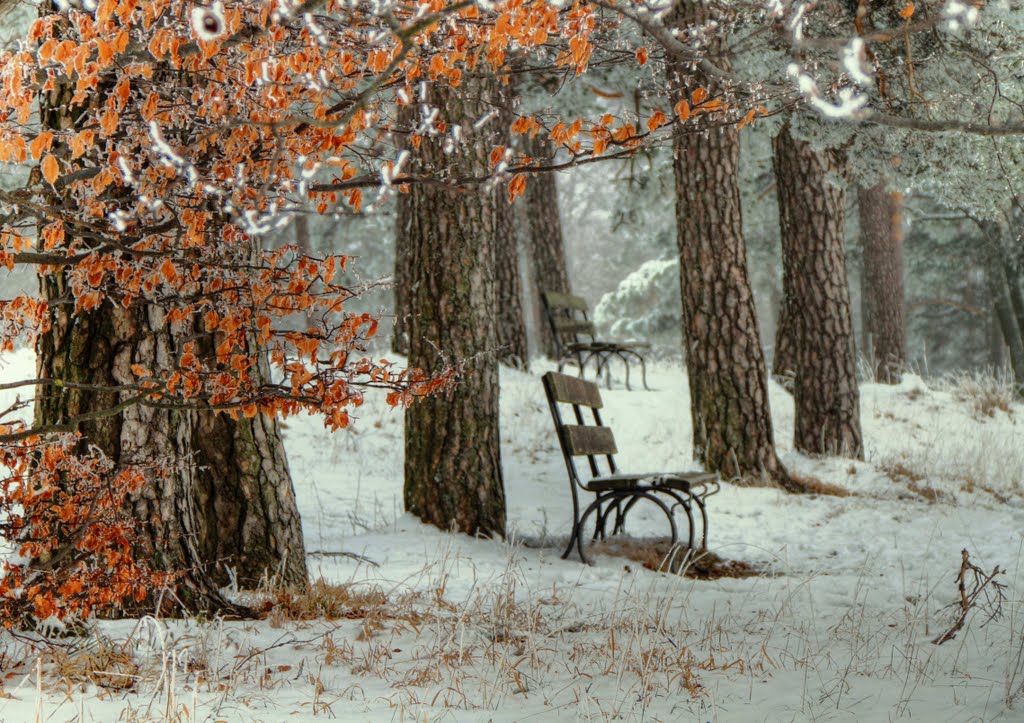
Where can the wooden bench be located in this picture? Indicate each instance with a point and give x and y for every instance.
(568, 319)
(615, 492)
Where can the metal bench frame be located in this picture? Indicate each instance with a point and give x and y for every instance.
(616, 492)
(568, 319)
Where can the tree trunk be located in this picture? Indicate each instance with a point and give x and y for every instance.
(219, 495)
(784, 358)
(445, 263)
(881, 232)
(812, 218)
(1002, 299)
(547, 270)
(732, 428)
(511, 323)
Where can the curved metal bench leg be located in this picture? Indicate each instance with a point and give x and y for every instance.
(682, 499)
(620, 521)
(625, 363)
(704, 522)
(595, 505)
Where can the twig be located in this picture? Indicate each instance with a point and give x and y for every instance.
(982, 584)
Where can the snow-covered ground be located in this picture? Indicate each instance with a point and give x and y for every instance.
(445, 627)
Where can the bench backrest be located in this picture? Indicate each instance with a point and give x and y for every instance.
(567, 317)
(578, 436)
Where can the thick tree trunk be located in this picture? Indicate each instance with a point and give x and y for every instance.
(812, 217)
(511, 322)
(218, 495)
(881, 232)
(732, 428)
(547, 268)
(446, 266)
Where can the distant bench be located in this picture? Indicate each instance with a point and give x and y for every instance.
(568, 319)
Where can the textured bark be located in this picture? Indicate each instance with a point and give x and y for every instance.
(784, 356)
(446, 266)
(998, 283)
(511, 322)
(224, 498)
(812, 217)
(547, 268)
(885, 338)
(732, 429)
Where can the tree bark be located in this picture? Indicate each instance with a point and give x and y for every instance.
(885, 339)
(511, 326)
(445, 265)
(1002, 300)
(224, 500)
(732, 428)
(547, 268)
(817, 298)
(784, 357)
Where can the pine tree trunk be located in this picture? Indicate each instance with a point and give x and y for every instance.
(732, 428)
(547, 269)
(812, 218)
(1002, 301)
(225, 498)
(885, 339)
(445, 246)
(784, 357)
(512, 344)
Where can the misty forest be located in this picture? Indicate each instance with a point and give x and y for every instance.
(511, 360)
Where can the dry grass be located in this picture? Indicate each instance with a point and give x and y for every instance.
(901, 474)
(661, 555)
(985, 392)
(814, 486)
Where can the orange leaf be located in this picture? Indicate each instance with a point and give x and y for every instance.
(656, 121)
(907, 12)
(50, 168)
(683, 110)
(641, 56)
(168, 271)
(699, 95)
(40, 144)
(516, 187)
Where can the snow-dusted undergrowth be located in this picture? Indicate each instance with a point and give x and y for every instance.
(444, 627)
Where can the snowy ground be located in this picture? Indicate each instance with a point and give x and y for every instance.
(444, 627)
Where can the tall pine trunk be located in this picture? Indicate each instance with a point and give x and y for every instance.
(224, 500)
(511, 326)
(817, 298)
(547, 268)
(445, 265)
(881, 233)
(732, 428)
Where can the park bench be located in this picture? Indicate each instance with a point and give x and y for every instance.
(568, 320)
(615, 492)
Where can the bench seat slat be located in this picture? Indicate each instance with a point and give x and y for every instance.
(682, 481)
